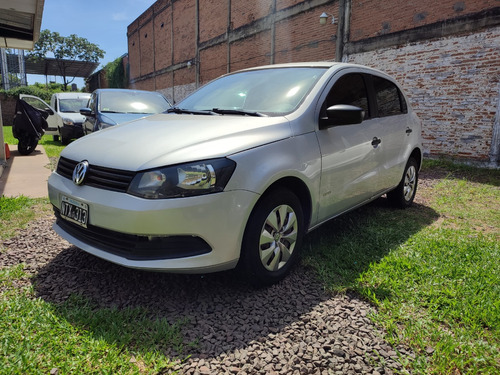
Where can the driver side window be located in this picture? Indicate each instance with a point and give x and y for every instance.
(349, 89)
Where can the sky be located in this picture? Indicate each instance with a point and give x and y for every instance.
(102, 22)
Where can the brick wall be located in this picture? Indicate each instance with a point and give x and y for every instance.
(302, 38)
(453, 85)
(371, 18)
(213, 19)
(445, 53)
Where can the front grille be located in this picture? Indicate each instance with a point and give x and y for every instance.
(135, 247)
(99, 177)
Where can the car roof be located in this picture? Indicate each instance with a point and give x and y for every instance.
(124, 90)
(72, 95)
(321, 64)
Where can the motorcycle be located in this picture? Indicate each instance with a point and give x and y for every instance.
(29, 126)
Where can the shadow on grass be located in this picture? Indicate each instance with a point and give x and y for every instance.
(218, 311)
(439, 169)
(344, 248)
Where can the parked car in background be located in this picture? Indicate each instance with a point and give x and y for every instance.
(64, 120)
(238, 172)
(68, 105)
(109, 107)
(54, 120)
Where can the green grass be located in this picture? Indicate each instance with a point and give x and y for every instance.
(16, 212)
(76, 337)
(52, 148)
(433, 271)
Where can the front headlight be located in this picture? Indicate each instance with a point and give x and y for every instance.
(183, 180)
(68, 121)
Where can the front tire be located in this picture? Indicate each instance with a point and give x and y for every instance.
(404, 194)
(272, 238)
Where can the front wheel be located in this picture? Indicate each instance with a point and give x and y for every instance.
(272, 238)
(404, 194)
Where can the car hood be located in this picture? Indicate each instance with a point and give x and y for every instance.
(119, 118)
(167, 139)
(75, 117)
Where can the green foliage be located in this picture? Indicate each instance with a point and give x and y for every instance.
(115, 74)
(62, 48)
(29, 90)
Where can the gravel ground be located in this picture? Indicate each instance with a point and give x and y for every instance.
(294, 327)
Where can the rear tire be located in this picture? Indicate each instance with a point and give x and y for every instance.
(404, 194)
(55, 138)
(272, 238)
(27, 146)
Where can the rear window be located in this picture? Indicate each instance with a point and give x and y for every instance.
(389, 99)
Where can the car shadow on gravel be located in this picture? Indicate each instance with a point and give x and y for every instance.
(222, 313)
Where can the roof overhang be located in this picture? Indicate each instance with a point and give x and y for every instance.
(20, 22)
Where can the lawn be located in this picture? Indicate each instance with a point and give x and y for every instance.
(432, 271)
(52, 148)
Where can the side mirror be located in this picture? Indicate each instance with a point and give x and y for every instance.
(86, 112)
(342, 114)
(49, 111)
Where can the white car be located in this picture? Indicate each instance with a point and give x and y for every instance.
(240, 170)
(64, 120)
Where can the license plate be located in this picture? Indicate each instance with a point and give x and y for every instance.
(74, 211)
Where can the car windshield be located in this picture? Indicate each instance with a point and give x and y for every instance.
(72, 105)
(132, 102)
(273, 92)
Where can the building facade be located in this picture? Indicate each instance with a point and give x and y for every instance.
(446, 54)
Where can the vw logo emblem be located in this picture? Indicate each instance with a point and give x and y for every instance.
(79, 172)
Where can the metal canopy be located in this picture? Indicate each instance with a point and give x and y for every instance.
(20, 22)
(51, 67)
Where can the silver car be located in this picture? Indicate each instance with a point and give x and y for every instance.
(240, 170)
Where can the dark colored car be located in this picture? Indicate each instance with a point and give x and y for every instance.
(109, 107)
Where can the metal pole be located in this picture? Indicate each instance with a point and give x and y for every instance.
(4, 69)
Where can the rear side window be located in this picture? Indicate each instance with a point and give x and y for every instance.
(349, 89)
(389, 99)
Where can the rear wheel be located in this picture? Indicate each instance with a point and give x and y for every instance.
(272, 238)
(55, 138)
(404, 194)
(27, 145)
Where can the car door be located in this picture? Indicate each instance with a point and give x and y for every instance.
(394, 127)
(349, 152)
(54, 120)
(89, 122)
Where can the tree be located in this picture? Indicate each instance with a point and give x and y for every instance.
(65, 49)
(115, 74)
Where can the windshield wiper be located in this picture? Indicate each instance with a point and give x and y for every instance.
(242, 112)
(188, 111)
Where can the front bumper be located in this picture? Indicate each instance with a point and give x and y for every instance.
(189, 235)
(72, 131)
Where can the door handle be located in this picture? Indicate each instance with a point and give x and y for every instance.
(408, 131)
(376, 141)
